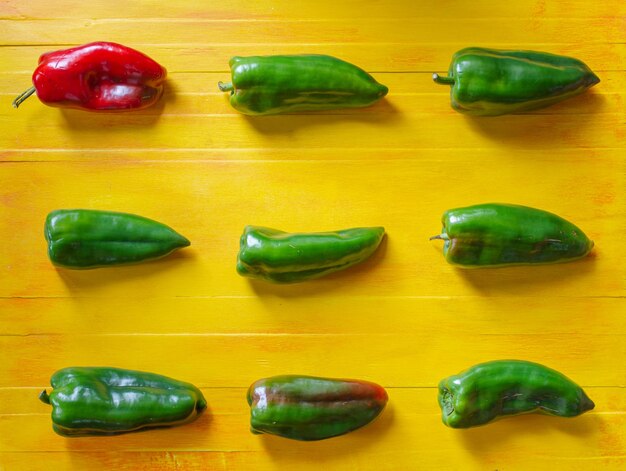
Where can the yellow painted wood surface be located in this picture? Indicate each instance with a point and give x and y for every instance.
(404, 319)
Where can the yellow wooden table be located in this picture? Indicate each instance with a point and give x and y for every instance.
(405, 319)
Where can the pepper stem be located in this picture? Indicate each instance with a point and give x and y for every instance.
(21, 97)
(443, 80)
(439, 237)
(43, 397)
(225, 87)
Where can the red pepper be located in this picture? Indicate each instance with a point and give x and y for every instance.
(97, 76)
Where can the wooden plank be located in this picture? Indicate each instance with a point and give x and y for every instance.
(236, 360)
(263, 193)
(187, 31)
(401, 84)
(308, 459)
(375, 58)
(205, 101)
(225, 427)
(208, 104)
(431, 156)
(440, 127)
(405, 402)
(283, 9)
(221, 440)
(497, 316)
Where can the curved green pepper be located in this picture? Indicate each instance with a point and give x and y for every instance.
(310, 408)
(491, 82)
(502, 388)
(280, 257)
(82, 238)
(108, 401)
(489, 235)
(279, 84)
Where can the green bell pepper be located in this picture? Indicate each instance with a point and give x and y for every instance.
(278, 84)
(82, 238)
(280, 257)
(491, 82)
(490, 235)
(107, 401)
(503, 388)
(311, 408)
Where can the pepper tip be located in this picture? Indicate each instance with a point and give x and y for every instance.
(201, 405)
(587, 403)
(184, 242)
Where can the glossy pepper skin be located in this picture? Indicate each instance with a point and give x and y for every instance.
(99, 76)
(492, 235)
(84, 238)
(502, 388)
(108, 401)
(282, 257)
(491, 82)
(310, 408)
(264, 85)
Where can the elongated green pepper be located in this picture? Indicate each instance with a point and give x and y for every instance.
(503, 388)
(280, 257)
(278, 84)
(82, 238)
(489, 235)
(311, 408)
(108, 401)
(491, 82)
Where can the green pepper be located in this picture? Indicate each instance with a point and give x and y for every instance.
(82, 238)
(280, 257)
(489, 235)
(109, 401)
(503, 388)
(277, 84)
(491, 82)
(311, 408)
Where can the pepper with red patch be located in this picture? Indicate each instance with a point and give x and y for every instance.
(99, 76)
(311, 408)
